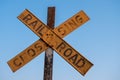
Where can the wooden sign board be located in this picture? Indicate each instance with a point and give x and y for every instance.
(80, 63)
(39, 46)
(71, 24)
(27, 55)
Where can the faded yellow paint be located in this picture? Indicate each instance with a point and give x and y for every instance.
(71, 24)
(27, 55)
(80, 63)
(52, 39)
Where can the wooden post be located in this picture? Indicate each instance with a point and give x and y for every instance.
(48, 64)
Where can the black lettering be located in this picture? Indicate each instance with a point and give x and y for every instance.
(23, 57)
(31, 52)
(27, 18)
(40, 30)
(38, 47)
(80, 63)
(74, 58)
(17, 62)
(72, 23)
(33, 24)
(68, 52)
(61, 30)
(61, 46)
(79, 19)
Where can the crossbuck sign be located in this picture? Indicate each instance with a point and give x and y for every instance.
(52, 38)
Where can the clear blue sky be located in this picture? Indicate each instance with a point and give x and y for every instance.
(98, 39)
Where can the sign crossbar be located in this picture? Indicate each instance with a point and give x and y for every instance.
(53, 39)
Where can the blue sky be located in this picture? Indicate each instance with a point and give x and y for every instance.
(98, 39)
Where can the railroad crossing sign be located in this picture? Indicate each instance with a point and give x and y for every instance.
(52, 38)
